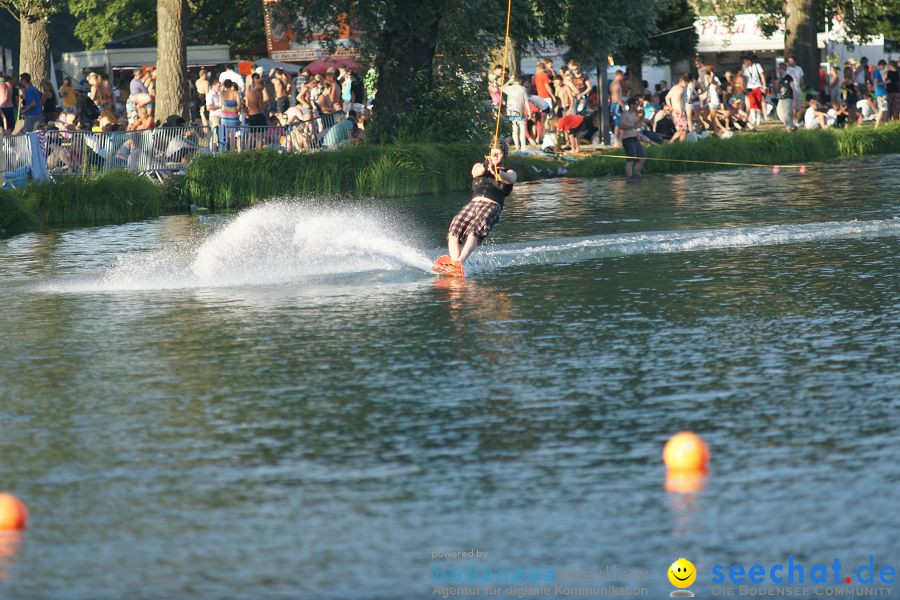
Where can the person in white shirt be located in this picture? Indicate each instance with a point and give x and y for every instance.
(864, 108)
(229, 75)
(756, 83)
(214, 109)
(517, 110)
(796, 73)
(813, 119)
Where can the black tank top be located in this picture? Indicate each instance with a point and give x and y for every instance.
(491, 188)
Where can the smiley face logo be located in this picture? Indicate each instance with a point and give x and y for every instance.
(682, 573)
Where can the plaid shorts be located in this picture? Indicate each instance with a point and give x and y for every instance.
(477, 217)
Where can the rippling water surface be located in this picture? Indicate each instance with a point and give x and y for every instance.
(284, 403)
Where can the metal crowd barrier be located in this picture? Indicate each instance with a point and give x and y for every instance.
(151, 151)
(15, 160)
(296, 137)
(154, 152)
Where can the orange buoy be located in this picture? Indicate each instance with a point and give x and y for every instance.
(13, 514)
(686, 451)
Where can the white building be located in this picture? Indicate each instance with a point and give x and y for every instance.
(723, 46)
(74, 64)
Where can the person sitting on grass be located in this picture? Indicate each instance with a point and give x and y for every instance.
(837, 115)
(736, 114)
(813, 118)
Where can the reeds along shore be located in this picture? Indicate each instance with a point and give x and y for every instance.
(116, 197)
(775, 147)
(236, 180)
(239, 179)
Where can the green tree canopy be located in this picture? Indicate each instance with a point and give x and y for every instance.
(237, 23)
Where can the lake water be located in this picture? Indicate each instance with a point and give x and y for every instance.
(283, 403)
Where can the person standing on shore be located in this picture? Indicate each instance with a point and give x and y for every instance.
(675, 102)
(518, 110)
(785, 108)
(796, 73)
(256, 116)
(32, 111)
(615, 100)
(583, 87)
(893, 88)
(629, 125)
(881, 92)
(213, 104)
(7, 110)
(756, 83)
(202, 87)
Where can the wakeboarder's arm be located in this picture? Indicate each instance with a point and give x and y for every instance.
(478, 170)
(508, 177)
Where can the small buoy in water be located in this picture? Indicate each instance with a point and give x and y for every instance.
(775, 170)
(685, 451)
(13, 514)
(803, 170)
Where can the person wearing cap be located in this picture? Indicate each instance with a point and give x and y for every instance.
(491, 184)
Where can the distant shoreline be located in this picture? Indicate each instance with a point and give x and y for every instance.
(232, 181)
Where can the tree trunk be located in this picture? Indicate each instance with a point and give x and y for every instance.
(34, 49)
(634, 64)
(171, 59)
(404, 64)
(603, 97)
(800, 38)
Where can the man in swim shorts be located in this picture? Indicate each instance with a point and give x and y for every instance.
(491, 184)
(674, 99)
(630, 126)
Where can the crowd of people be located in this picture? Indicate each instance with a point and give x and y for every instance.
(554, 110)
(307, 105)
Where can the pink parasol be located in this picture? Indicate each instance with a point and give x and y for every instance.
(323, 64)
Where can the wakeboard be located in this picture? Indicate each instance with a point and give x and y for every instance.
(446, 267)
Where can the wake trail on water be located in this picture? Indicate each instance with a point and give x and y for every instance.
(290, 243)
(570, 250)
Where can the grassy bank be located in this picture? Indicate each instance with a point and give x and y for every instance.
(776, 147)
(237, 180)
(116, 197)
(15, 217)
(233, 181)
